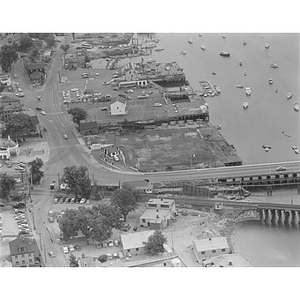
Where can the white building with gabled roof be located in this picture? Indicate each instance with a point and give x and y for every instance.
(118, 107)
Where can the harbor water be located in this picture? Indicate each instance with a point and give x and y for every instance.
(269, 114)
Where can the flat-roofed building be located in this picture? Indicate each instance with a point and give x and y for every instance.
(141, 185)
(134, 243)
(227, 260)
(207, 248)
(158, 214)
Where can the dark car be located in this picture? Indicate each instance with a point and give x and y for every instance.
(19, 205)
(38, 108)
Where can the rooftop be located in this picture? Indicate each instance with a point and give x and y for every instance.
(135, 239)
(211, 244)
(155, 214)
(30, 245)
(227, 260)
(160, 201)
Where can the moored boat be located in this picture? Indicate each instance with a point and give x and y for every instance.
(248, 91)
(270, 81)
(190, 41)
(289, 95)
(245, 105)
(203, 47)
(244, 43)
(295, 149)
(239, 86)
(296, 106)
(224, 36)
(159, 49)
(267, 45)
(240, 63)
(225, 54)
(274, 66)
(182, 52)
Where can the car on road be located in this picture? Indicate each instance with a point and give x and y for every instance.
(281, 168)
(51, 254)
(65, 250)
(43, 113)
(20, 95)
(19, 168)
(104, 108)
(157, 104)
(65, 136)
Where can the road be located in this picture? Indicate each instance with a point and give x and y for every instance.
(68, 152)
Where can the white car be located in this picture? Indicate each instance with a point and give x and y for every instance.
(82, 201)
(43, 113)
(19, 89)
(74, 89)
(66, 250)
(248, 91)
(157, 104)
(19, 95)
(71, 247)
(65, 136)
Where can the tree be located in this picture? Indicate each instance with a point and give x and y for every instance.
(25, 43)
(78, 180)
(20, 125)
(34, 54)
(78, 114)
(50, 41)
(8, 55)
(7, 184)
(102, 258)
(73, 260)
(68, 224)
(125, 199)
(65, 48)
(37, 174)
(155, 243)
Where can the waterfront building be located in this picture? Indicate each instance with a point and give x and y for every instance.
(158, 214)
(207, 248)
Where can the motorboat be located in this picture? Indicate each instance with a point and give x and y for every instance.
(224, 36)
(244, 43)
(296, 150)
(218, 89)
(159, 49)
(270, 81)
(182, 52)
(239, 86)
(296, 106)
(245, 105)
(214, 73)
(190, 41)
(289, 95)
(203, 47)
(200, 34)
(274, 66)
(240, 63)
(267, 45)
(248, 91)
(151, 60)
(225, 54)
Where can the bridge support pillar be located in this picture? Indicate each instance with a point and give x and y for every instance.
(282, 214)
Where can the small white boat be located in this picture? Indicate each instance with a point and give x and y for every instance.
(225, 54)
(248, 91)
(295, 149)
(270, 81)
(240, 63)
(203, 47)
(182, 52)
(267, 45)
(239, 86)
(190, 41)
(289, 95)
(296, 106)
(245, 105)
(274, 66)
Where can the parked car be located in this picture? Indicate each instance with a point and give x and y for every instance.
(72, 201)
(43, 113)
(67, 200)
(51, 254)
(71, 247)
(82, 201)
(20, 95)
(126, 227)
(19, 168)
(38, 108)
(157, 104)
(56, 200)
(65, 250)
(88, 201)
(65, 136)
(61, 200)
(39, 98)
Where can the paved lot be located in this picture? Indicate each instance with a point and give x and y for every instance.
(9, 226)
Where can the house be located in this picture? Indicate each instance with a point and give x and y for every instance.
(134, 243)
(226, 260)
(8, 148)
(87, 262)
(9, 106)
(118, 107)
(207, 248)
(158, 214)
(110, 151)
(24, 252)
(144, 186)
(87, 128)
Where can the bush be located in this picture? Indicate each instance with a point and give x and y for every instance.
(102, 258)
